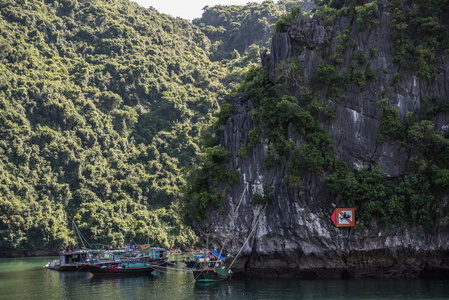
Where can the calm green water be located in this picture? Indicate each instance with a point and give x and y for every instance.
(25, 278)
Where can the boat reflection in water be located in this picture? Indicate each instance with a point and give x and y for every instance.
(208, 285)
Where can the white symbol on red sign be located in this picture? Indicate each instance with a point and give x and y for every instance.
(345, 217)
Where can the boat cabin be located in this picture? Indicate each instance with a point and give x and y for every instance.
(70, 258)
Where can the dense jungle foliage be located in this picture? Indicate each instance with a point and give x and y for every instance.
(232, 29)
(102, 104)
(420, 37)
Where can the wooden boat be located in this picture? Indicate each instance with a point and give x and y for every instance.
(120, 269)
(153, 255)
(69, 261)
(133, 255)
(73, 260)
(211, 268)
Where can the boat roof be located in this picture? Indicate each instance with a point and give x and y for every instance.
(73, 252)
(216, 254)
(157, 248)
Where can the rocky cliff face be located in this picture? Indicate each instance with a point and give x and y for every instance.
(294, 235)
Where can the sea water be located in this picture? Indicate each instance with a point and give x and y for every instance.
(25, 278)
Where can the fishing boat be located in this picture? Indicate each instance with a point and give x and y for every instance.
(73, 260)
(139, 262)
(142, 253)
(69, 261)
(120, 269)
(211, 268)
(153, 255)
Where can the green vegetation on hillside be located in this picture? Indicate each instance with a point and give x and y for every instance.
(101, 105)
(420, 35)
(237, 27)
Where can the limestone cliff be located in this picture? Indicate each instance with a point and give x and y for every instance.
(294, 234)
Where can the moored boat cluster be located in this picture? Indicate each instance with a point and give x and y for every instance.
(140, 260)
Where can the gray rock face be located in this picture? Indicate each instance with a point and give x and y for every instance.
(295, 236)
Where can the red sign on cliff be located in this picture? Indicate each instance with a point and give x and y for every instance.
(343, 217)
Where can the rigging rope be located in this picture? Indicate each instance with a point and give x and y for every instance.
(238, 206)
(255, 225)
(82, 238)
(232, 221)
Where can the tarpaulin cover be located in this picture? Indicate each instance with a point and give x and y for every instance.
(217, 255)
(145, 248)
